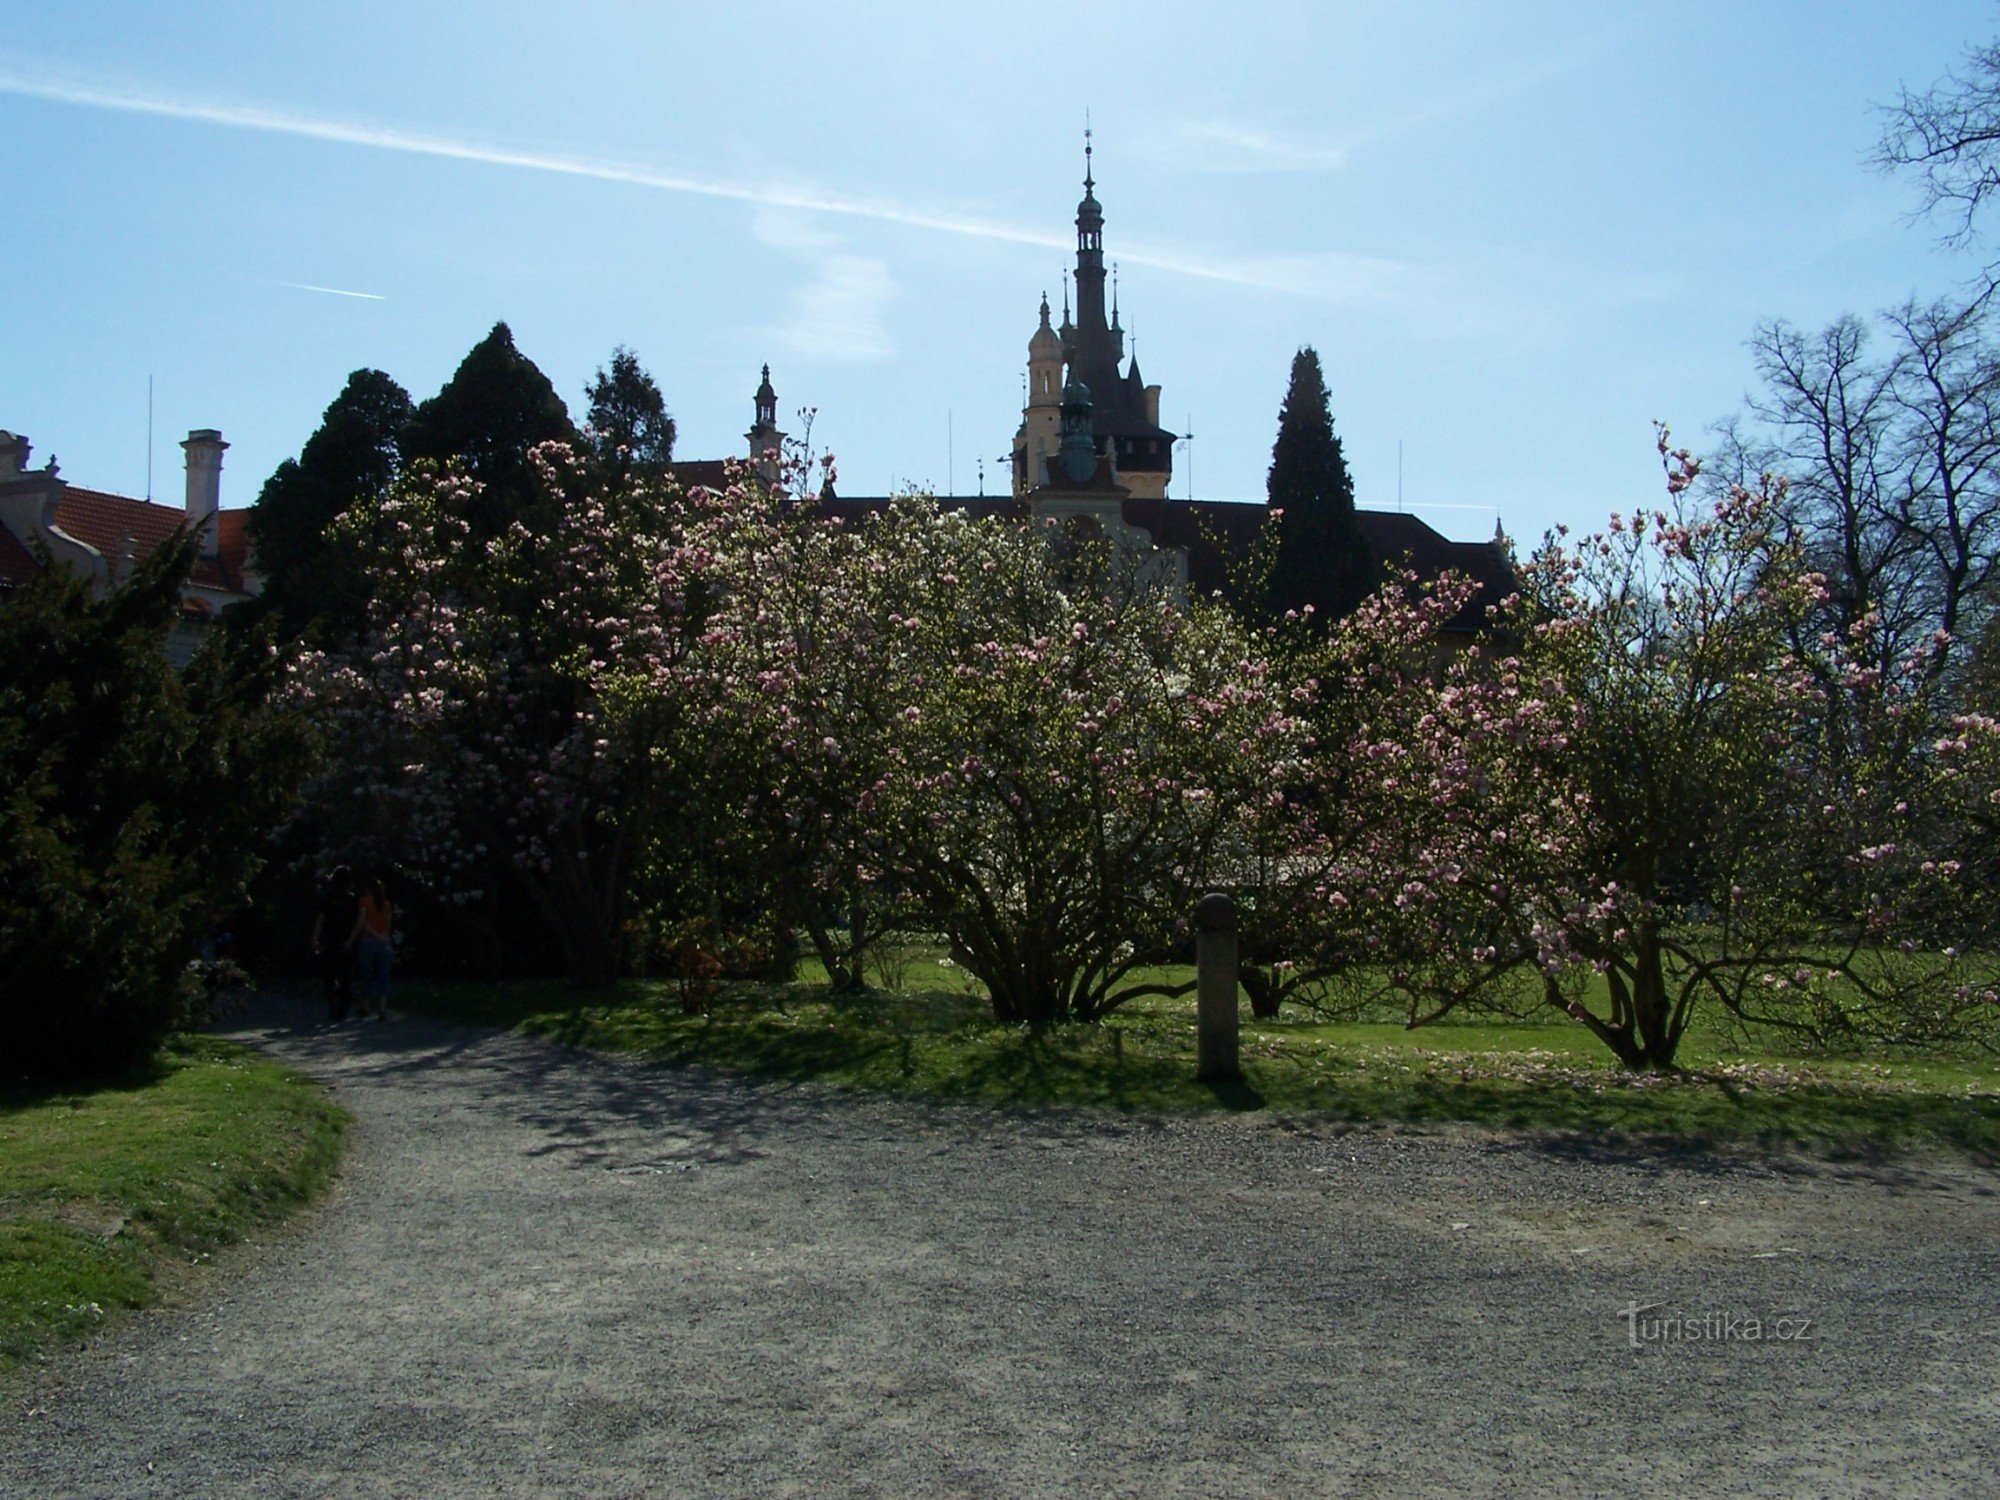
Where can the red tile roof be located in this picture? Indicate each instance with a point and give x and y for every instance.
(105, 522)
(232, 544)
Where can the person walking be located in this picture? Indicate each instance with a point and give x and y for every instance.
(335, 929)
(375, 948)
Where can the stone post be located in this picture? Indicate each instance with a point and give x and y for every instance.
(1215, 989)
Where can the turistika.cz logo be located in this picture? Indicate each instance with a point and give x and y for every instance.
(1645, 1324)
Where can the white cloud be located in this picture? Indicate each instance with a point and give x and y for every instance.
(838, 316)
(333, 291)
(1256, 273)
(1223, 146)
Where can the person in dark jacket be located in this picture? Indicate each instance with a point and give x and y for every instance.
(336, 933)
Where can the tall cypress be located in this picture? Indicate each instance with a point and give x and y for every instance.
(496, 406)
(1322, 559)
(353, 457)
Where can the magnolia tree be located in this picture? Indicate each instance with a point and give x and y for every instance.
(791, 671)
(521, 710)
(1637, 789)
(1062, 757)
(1311, 863)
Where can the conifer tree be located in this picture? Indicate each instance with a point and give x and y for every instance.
(1322, 559)
(354, 456)
(496, 406)
(629, 426)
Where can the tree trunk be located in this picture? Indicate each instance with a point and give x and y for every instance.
(1263, 991)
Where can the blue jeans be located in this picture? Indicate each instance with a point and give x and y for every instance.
(372, 976)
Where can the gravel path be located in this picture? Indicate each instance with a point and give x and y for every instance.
(551, 1272)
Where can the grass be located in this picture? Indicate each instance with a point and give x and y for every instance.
(1534, 1077)
(104, 1190)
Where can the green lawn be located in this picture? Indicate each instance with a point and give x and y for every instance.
(103, 1189)
(941, 1042)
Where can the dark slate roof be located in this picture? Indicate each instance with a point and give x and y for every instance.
(854, 507)
(1218, 533)
(704, 473)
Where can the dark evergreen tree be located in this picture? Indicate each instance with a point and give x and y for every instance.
(496, 407)
(1322, 559)
(134, 804)
(310, 583)
(629, 427)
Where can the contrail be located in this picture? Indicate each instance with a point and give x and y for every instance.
(768, 195)
(333, 291)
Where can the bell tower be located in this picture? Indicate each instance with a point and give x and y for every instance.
(767, 443)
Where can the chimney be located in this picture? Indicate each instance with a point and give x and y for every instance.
(13, 455)
(204, 484)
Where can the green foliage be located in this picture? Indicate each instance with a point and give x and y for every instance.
(100, 1189)
(1541, 1078)
(1322, 560)
(628, 425)
(353, 457)
(135, 802)
(495, 407)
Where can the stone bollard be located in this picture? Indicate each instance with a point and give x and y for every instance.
(1215, 989)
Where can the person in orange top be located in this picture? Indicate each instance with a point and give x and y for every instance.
(371, 931)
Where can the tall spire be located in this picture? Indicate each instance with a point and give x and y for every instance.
(1090, 255)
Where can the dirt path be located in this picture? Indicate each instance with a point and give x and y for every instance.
(548, 1272)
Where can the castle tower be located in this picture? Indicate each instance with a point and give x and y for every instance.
(1125, 411)
(767, 443)
(1041, 418)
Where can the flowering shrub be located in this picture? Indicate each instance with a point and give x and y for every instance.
(520, 710)
(1048, 760)
(1639, 788)
(656, 713)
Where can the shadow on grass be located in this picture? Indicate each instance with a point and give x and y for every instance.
(947, 1047)
(19, 1096)
(1237, 1095)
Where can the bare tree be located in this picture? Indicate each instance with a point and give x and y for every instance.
(1889, 437)
(1948, 137)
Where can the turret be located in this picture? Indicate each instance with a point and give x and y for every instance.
(1035, 442)
(767, 443)
(1077, 455)
(1045, 360)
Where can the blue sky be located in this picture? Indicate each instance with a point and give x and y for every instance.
(1517, 235)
